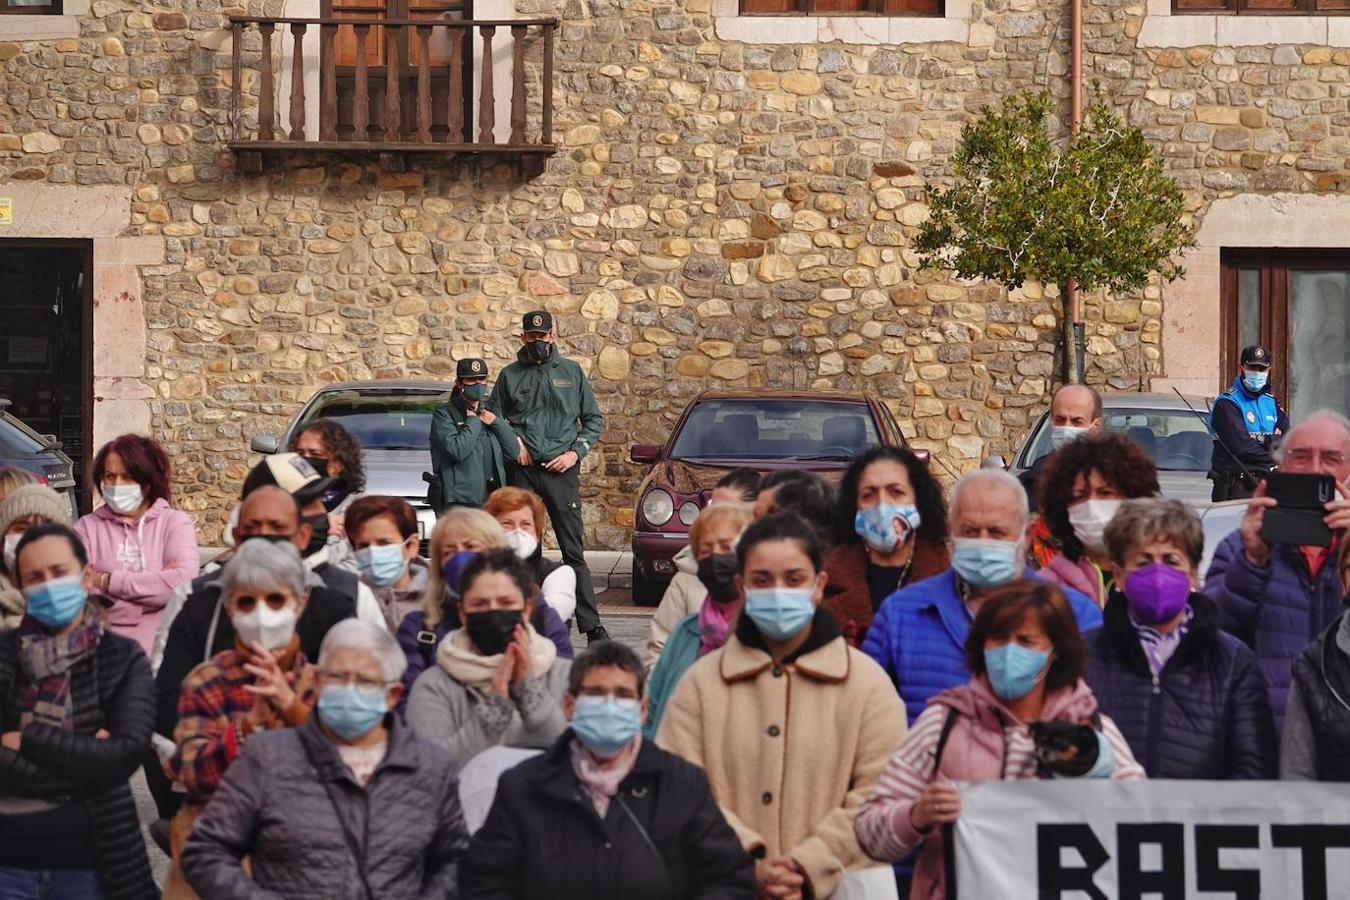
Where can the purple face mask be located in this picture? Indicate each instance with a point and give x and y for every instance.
(1156, 593)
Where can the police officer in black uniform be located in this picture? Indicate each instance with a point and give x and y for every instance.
(1246, 422)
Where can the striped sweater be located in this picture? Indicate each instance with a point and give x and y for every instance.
(986, 743)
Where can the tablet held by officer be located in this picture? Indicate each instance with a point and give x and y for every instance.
(1246, 421)
(469, 443)
(550, 405)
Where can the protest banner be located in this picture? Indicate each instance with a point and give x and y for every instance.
(1158, 839)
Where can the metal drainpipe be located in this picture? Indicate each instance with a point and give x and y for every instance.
(1075, 120)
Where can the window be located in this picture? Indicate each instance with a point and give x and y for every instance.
(1174, 438)
(1262, 7)
(382, 421)
(844, 7)
(1297, 303)
(775, 429)
(30, 8)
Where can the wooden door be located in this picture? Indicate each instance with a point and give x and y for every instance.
(397, 51)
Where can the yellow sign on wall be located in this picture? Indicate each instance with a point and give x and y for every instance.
(6, 211)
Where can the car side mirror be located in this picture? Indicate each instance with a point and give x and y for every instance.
(994, 462)
(644, 454)
(265, 443)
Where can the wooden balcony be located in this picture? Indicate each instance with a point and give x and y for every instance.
(391, 86)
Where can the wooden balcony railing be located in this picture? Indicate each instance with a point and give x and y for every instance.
(391, 85)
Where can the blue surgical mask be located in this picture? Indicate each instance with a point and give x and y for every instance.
(350, 711)
(779, 612)
(876, 526)
(56, 603)
(606, 724)
(1255, 381)
(1014, 670)
(1064, 434)
(381, 565)
(984, 562)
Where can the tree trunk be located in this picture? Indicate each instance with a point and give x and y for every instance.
(1073, 361)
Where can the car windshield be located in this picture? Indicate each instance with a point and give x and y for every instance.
(391, 421)
(775, 429)
(1175, 439)
(16, 442)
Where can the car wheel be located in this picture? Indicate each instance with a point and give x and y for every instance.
(647, 591)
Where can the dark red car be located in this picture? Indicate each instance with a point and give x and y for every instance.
(820, 431)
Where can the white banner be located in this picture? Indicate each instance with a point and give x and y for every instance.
(1131, 840)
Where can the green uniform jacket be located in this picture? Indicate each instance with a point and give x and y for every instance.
(466, 454)
(551, 407)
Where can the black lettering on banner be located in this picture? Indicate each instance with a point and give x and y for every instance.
(1314, 841)
(1210, 841)
(1170, 880)
(1053, 879)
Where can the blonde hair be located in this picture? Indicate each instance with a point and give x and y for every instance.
(736, 514)
(12, 477)
(465, 522)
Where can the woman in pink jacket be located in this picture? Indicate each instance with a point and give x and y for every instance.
(140, 547)
(1026, 713)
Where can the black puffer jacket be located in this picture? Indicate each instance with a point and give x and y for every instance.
(544, 839)
(275, 807)
(111, 690)
(1206, 716)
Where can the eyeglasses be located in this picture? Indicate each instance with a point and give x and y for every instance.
(339, 679)
(1306, 456)
(246, 604)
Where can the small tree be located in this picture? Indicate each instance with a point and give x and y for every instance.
(1099, 208)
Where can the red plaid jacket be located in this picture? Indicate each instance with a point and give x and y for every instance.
(211, 726)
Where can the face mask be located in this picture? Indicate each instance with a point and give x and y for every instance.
(1014, 670)
(492, 630)
(319, 465)
(270, 627)
(780, 613)
(319, 539)
(381, 565)
(718, 574)
(56, 603)
(876, 526)
(1255, 381)
(984, 562)
(1090, 518)
(350, 711)
(538, 351)
(11, 549)
(475, 393)
(522, 543)
(1156, 593)
(454, 567)
(1064, 434)
(123, 499)
(606, 724)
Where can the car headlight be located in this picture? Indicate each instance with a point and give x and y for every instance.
(657, 507)
(688, 513)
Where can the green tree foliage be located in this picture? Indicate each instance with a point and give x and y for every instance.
(1097, 207)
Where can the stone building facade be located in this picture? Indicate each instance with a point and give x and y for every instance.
(733, 202)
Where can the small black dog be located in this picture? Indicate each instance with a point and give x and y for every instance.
(1064, 749)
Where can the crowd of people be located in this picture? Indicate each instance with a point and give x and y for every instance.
(324, 711)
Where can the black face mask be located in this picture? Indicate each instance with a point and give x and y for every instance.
(319, 539)
(718, 574)
(492, 630)
(539, 351)
(319, 465)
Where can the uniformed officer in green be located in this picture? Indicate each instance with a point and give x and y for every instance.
(469, 443)
(551, 407)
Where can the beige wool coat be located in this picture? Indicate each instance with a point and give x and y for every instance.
(791, 750)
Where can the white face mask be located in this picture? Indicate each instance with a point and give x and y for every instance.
(522, 542)
(1090, 518)
(270, 627)
(123, 499)
(1064, 434)
(11, 546)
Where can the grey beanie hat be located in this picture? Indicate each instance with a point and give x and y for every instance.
(33, 500)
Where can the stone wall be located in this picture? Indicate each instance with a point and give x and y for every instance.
(720, 214)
